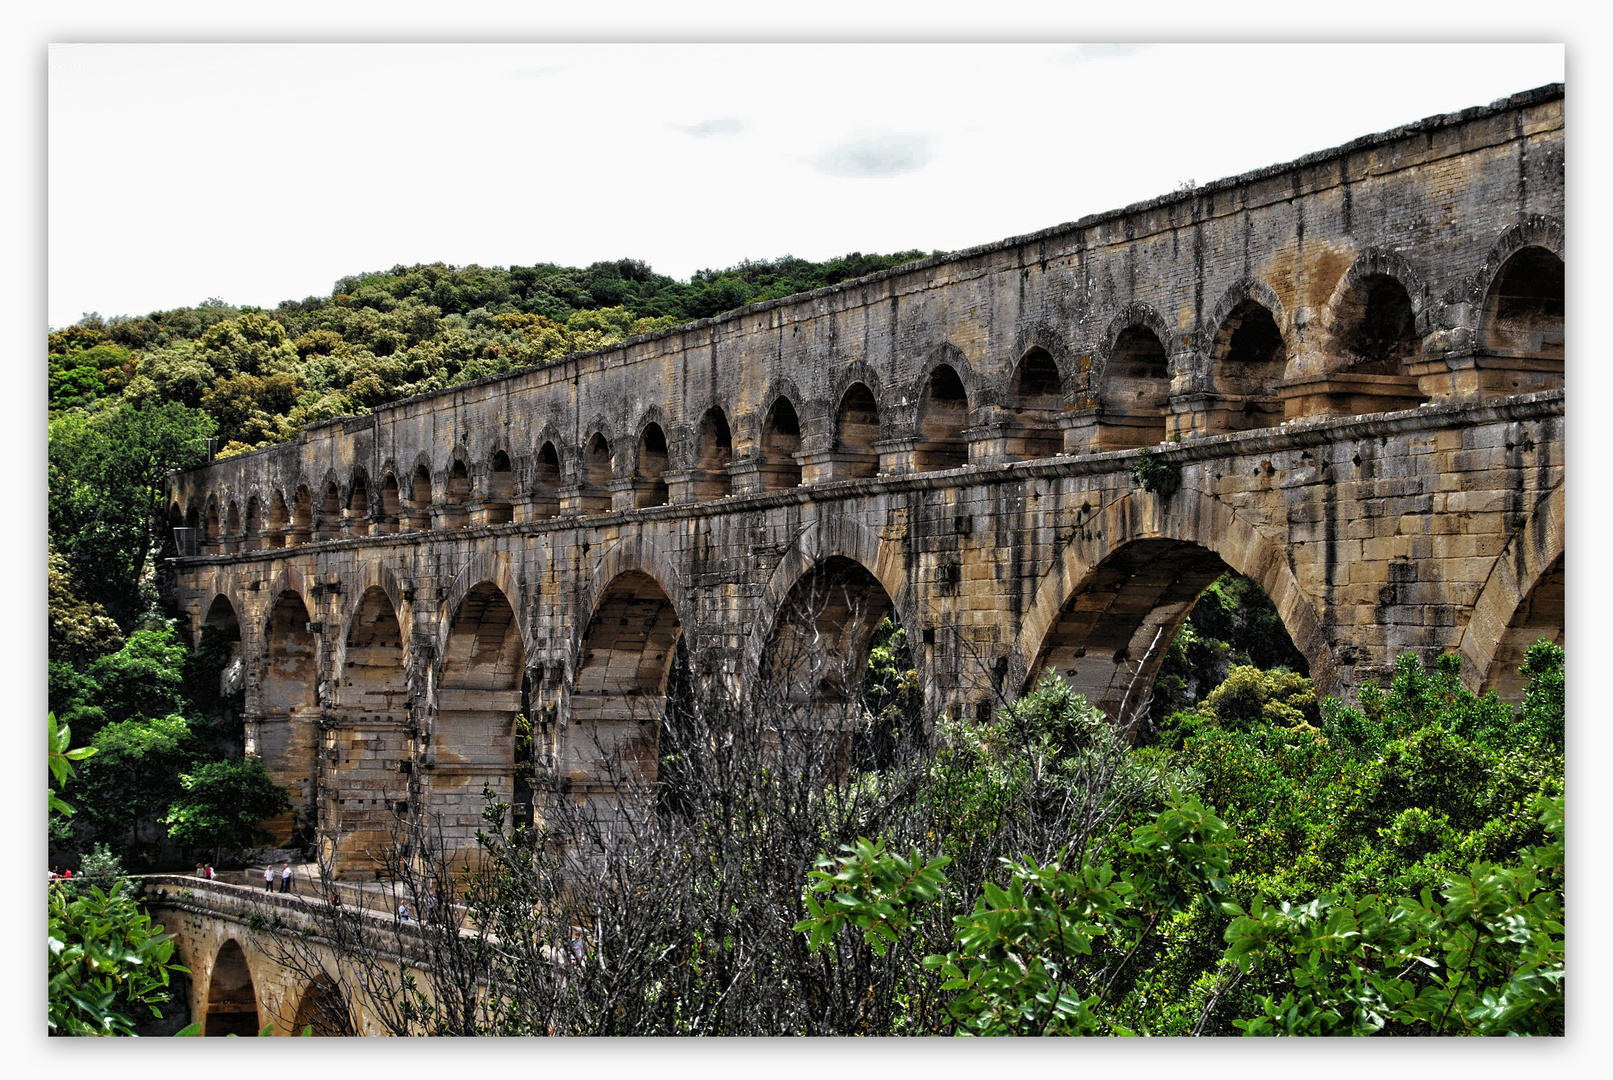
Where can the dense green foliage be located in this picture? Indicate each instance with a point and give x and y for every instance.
(105, 958)
(261, 376)
(1308, 906)
(222, 803)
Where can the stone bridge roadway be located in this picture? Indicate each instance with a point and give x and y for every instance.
(224, 935)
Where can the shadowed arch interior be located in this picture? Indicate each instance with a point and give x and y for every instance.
(252, 537)
(232, 525)
(1249, 357)
(454, 515)
(781, 439)
(1135, 397)
(1038, 403)
(421, 498)
(942, 415)
(856, 432)
(279, 521)
(649, 487)
(821, 638)
(597, 470)
(1115, 629)
(329, 522)
(302, 516)
(1523, 320)
(715, 446)
(323, 1010)
(358, 509)
(232, 1000)
(1539, 615)
(212, 526)
(391, 504)
(546, 483)
(478, 698)
(499, 508)
(619, 693)
(1378, 328)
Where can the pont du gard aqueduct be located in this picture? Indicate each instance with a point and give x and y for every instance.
(1342, 377)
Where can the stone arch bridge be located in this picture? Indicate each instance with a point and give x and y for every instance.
(1342, 377)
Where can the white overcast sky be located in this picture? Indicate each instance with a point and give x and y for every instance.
(263, 172)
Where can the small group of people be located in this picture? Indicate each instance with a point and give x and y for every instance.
(285, 878)
(204, 870)
(57, 873)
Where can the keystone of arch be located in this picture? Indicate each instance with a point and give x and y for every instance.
(1528, 555)
(1189, 515)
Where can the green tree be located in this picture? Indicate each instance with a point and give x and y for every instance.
(106, 477)
(223, 803)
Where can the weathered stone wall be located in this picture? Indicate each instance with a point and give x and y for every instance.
(1359, 355)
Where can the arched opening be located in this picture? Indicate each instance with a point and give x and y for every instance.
(856, 432)
(1249, 356)
(1119, 626)
(1038, 404)
(1135, 398)
(943, 414)
(781, 438)
(210, 539)
(1378, 333)
(478, 699)
(221, 643)
(302, 516)
(1523, 321)
(232, 527)
(232, 1000)
(546, 484)
(391, 505)
(716, 449)
(329, 522)
(620, 690)
(817, 658)
(358, 509)
(420, 497)
(323, 1010)
(1539, 615)
(278, 533)
(594, 495)
(367, 748)
(500, 506)
(252, 537)
(649, 486)
(454, 514)
(288, 714)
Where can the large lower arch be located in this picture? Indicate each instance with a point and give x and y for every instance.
(619, 690)
(367, 747)
(1144, 566)
(1522, 597)
(479, 695)
(288, 714)
(817, 649)
(232, 999)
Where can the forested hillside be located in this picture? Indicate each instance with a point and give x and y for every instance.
(262, 376)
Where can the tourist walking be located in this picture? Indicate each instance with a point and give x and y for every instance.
(268, 877)
(403, 912)
(285, 879)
